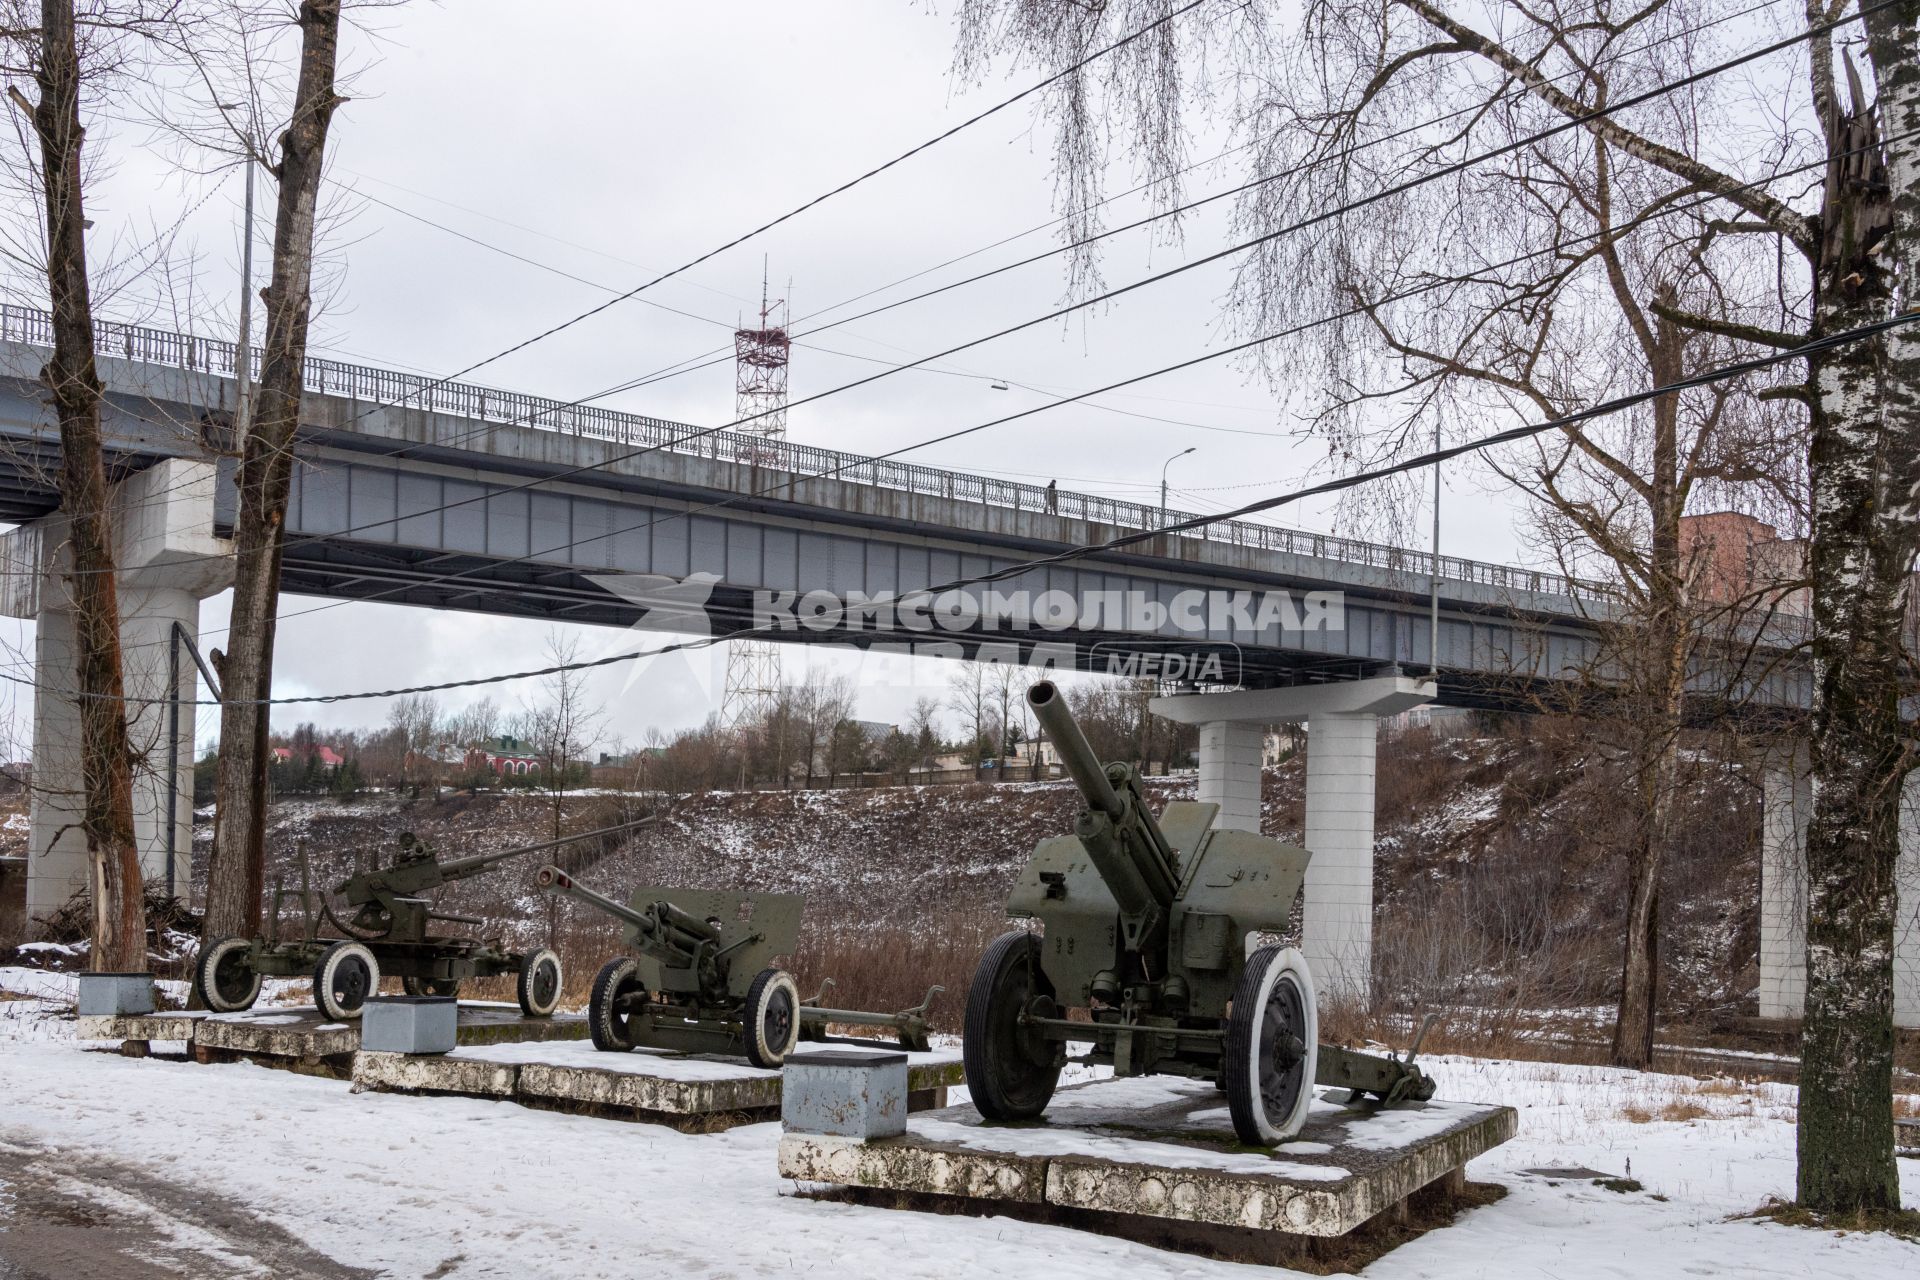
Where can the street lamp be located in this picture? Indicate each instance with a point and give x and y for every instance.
(243, 352)
(1163, 480)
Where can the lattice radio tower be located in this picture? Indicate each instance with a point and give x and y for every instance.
(760, 406)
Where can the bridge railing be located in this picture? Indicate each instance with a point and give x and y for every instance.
(388, 388)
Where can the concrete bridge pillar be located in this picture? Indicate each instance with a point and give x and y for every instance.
(169, 561)
(1342, 722)
(1786, 802)
(1786, 805)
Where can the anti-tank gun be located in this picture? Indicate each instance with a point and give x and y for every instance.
(702, 978)
(1145, 927)
(384, 929)
(387, 901)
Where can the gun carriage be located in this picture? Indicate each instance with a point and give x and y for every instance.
(388, 931)
(703, 980)
(1145, 929)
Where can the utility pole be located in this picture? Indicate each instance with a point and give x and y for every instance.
(1163, 480)
(243, 352)
(1433, 577)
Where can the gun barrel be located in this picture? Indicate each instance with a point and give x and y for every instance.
(481, 861)
(1050, 709)
(551, 879)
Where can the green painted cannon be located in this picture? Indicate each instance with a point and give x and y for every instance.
(1145, 932)
(703, 980)
(388, 931)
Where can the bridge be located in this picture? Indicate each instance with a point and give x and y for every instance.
(450, 495)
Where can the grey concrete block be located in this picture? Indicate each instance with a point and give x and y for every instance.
(409, 1024)
(846, 1093)
(115, 995)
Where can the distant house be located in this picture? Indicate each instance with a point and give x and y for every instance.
(505, 755)
(326, 757)
(622, 770)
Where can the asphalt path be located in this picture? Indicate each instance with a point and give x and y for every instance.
(64, 1216)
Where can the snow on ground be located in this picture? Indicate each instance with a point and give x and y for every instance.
(463, 1188)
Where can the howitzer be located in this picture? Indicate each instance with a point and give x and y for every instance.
(702, 980)
(1145, 927)
(388, 933)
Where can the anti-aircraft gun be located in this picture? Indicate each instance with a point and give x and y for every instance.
(388, 933)
(702, 979)
(1146, 926)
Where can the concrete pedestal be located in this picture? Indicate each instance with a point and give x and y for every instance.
(169, 561)
(702, 1092)
(1342, 723)
(1159, 1148)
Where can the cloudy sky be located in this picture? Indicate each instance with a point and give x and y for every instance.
(569, 151)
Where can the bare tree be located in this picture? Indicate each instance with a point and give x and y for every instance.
(473, 724)
(237, 867)
(415, 721)
(119, 925)
(923, 727)
(971, 699)
(1658, 242)
(1007, 684)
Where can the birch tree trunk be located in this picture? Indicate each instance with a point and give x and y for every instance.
(237, 868)
(106, 757)
(1865, 464)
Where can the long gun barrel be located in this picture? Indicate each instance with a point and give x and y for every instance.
(1082, 765)
(661, 928)
(460, 867)
(1120, 835)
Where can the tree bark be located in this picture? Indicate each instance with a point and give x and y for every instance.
(1658, 644)
(235, 874)
(1864, 462)
(106, 757)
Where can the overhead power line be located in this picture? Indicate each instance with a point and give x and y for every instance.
(902, 367)
(1418, 461)
(797, 210)
(655, 521)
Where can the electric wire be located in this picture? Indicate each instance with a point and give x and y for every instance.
(1078, 552)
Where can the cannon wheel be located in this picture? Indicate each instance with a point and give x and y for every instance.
(539, 984)
(771, 1018)
(223, 977)
(1273, 1043)
(611, 1029)
(1011, 1073)
(346, 975)
(430, 986)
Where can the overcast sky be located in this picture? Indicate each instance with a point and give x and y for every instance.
(612, 141)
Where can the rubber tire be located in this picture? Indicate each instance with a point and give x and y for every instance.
(531, 1005)
(323, 979)
(768, 986)
(988, 1092)
(611, 981)
(431, 987)
(208, 964)
(1266, 969)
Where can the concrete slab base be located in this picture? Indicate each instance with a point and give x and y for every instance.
(298, 1038)
(1163, 1148)
(689, 1091)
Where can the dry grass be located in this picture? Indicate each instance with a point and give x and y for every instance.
(1634, 1113)
(1903, 1224)
(1681, 1110)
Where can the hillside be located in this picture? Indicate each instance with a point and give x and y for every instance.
(1498, 880)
